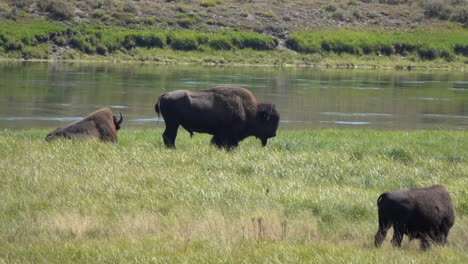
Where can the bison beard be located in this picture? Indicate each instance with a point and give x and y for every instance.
(229, 113)
(101, 124)
(423, 213)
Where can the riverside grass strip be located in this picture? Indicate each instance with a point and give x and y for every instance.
(102, 40)
(42, 40)
(428, 45)
(309, 196)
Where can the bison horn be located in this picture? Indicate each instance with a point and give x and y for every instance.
(118, 122)
(121, 119)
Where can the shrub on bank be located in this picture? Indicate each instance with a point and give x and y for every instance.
(151, 40)
(460, 15)
(220, 42)
(183, 40)
(304, 42)
(28, 41)
(36, 52)
(57, 9)
(461, 49)
(82, 44)
(426, 45)
(253, 40)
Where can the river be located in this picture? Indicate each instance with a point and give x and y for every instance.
(48, 95)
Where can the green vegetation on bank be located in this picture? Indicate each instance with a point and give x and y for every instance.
(427, 45)
(20, 39)
(309, 196)
(41, 40)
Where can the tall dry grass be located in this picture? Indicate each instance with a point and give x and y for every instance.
(309, 196)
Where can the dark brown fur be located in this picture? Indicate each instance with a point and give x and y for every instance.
(422, 213)
(228, 113)
(101, 124)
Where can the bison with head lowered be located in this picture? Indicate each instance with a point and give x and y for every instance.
(100, 124)
(422, 213)
(228, 113)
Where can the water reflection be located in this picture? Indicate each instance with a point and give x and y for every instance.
(36, 95)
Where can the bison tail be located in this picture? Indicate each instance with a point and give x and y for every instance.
(379, 200)
(157, 108)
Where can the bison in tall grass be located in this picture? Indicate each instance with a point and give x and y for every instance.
(101, 124)
(229, 113)
(424, 213)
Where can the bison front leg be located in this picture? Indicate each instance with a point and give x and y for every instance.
(225, 142)
(219, 141)
(170, 135)
(443, 239)
(232, 143)
(443, 233)
(216, 141)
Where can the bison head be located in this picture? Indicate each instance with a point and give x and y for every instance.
(267, 121)
(50, 136)
(57, 133)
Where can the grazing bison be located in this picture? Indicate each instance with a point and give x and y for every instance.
(228, 113)
(101, 124)
(423, 213)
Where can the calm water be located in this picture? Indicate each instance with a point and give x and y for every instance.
(38, 95)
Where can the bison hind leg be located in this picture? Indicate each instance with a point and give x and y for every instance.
(170, 135)
(379, 237)
(425, 243)
(381, 234)
(384, 225)
(397, 236)
(169, 140)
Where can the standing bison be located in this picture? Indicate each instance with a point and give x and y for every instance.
(101, 124)
(228, 113)
(424, 213)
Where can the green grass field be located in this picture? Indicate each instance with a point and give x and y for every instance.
(308, 197)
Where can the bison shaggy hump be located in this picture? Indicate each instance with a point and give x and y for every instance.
(423, 213)
(100, 124)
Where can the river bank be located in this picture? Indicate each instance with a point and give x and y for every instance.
(254, 58)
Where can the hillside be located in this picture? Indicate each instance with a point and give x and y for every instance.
(276, 17)
(273, 17)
